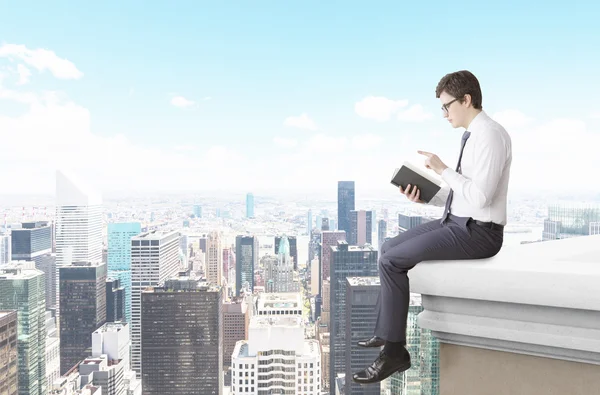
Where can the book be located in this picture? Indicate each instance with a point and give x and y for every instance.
(427, 184)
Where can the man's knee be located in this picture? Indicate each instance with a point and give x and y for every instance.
(395, 263)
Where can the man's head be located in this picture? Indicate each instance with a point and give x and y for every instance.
(460, 95)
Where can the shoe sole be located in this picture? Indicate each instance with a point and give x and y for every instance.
(402, 368)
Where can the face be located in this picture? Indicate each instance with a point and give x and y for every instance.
(453, 109)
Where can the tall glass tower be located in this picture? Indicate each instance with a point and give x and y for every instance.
(249, 205)
(345, 205)
(22, 288)
(119, 257)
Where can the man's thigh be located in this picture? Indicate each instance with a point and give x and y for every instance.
(409, 234)
(450, 242)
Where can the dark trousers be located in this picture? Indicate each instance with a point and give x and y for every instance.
(457, 238)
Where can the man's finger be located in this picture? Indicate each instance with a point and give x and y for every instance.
(425, 153)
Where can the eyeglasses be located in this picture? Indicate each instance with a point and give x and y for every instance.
(447, 105)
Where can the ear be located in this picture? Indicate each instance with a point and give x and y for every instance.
(467, 100)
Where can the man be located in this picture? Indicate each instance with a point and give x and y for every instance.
(472, 226)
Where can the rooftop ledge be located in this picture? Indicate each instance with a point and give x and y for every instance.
(540, 299)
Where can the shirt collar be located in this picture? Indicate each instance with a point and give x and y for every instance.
(477, 122)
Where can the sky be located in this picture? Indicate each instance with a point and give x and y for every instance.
(257, 96)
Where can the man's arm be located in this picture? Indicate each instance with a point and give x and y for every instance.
(439, 200)
(488, 165)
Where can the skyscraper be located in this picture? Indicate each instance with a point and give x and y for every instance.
(276, 359)
(249, 205)
(5, 249)
(361, 227)
(423, 378)
(115, 300)
(246, 259)
(154, 258)
(570, 220)
(33, 242)
(280, 270)
(182, 341)
(78, 221)
(214, 259)
(197, 211)
(82, 309)
(293, 242)
(361, 315)
(329, 239)
(236, 319)
(381, 233)
(345, 204)
(346, 261)
(9, 361)
(309, 223)
(22, 289)
(119, 257)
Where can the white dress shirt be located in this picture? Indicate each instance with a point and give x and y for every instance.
(481, 190)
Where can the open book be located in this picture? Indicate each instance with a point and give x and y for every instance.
(427, 184)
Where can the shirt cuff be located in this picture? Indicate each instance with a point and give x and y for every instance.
(452, 178)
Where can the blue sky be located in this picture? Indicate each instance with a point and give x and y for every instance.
(249, 66)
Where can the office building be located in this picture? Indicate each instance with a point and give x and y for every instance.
(5, 249)
(329, 239)
(361, 226)
(361, 315)
(78, 221)
(236, 320)
(119, 257)
(280, 270)
(214, 259)
(293, 242)
(22, 289)
(345, 205)
(279, 304)
(246, 260)
(82, 309)
(567, 220)
(347, 261)
(276, 348)
(424, 375)
(52, 349)
(115, 301)
(249, 205)
(381, 233)
(154, 259)
(9, 357)
(182, 341)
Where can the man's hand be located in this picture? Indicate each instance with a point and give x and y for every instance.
(433, 162)
(413, 195)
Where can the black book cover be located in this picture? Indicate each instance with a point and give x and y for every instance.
(410, 174)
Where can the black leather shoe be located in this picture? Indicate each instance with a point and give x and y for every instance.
(382, 368)
(372, 342)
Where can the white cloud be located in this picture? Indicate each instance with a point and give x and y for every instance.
(285, 142)
(366, 141)
(512, 119)
(415, 113)
(185, 147)
(24, 74)
(41, 59)
(326, 144)
(378, 108)
(595, 115)
(300, 122)
(182, 102)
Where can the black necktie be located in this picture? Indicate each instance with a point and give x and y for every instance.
(465, 137)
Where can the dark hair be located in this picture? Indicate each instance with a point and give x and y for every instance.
(459, 84)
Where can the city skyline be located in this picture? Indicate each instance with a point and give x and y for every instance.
(260, 98)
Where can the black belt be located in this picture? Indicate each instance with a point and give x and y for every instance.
(489, 225)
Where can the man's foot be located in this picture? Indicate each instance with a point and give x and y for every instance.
(382, 368)
(372, 342)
